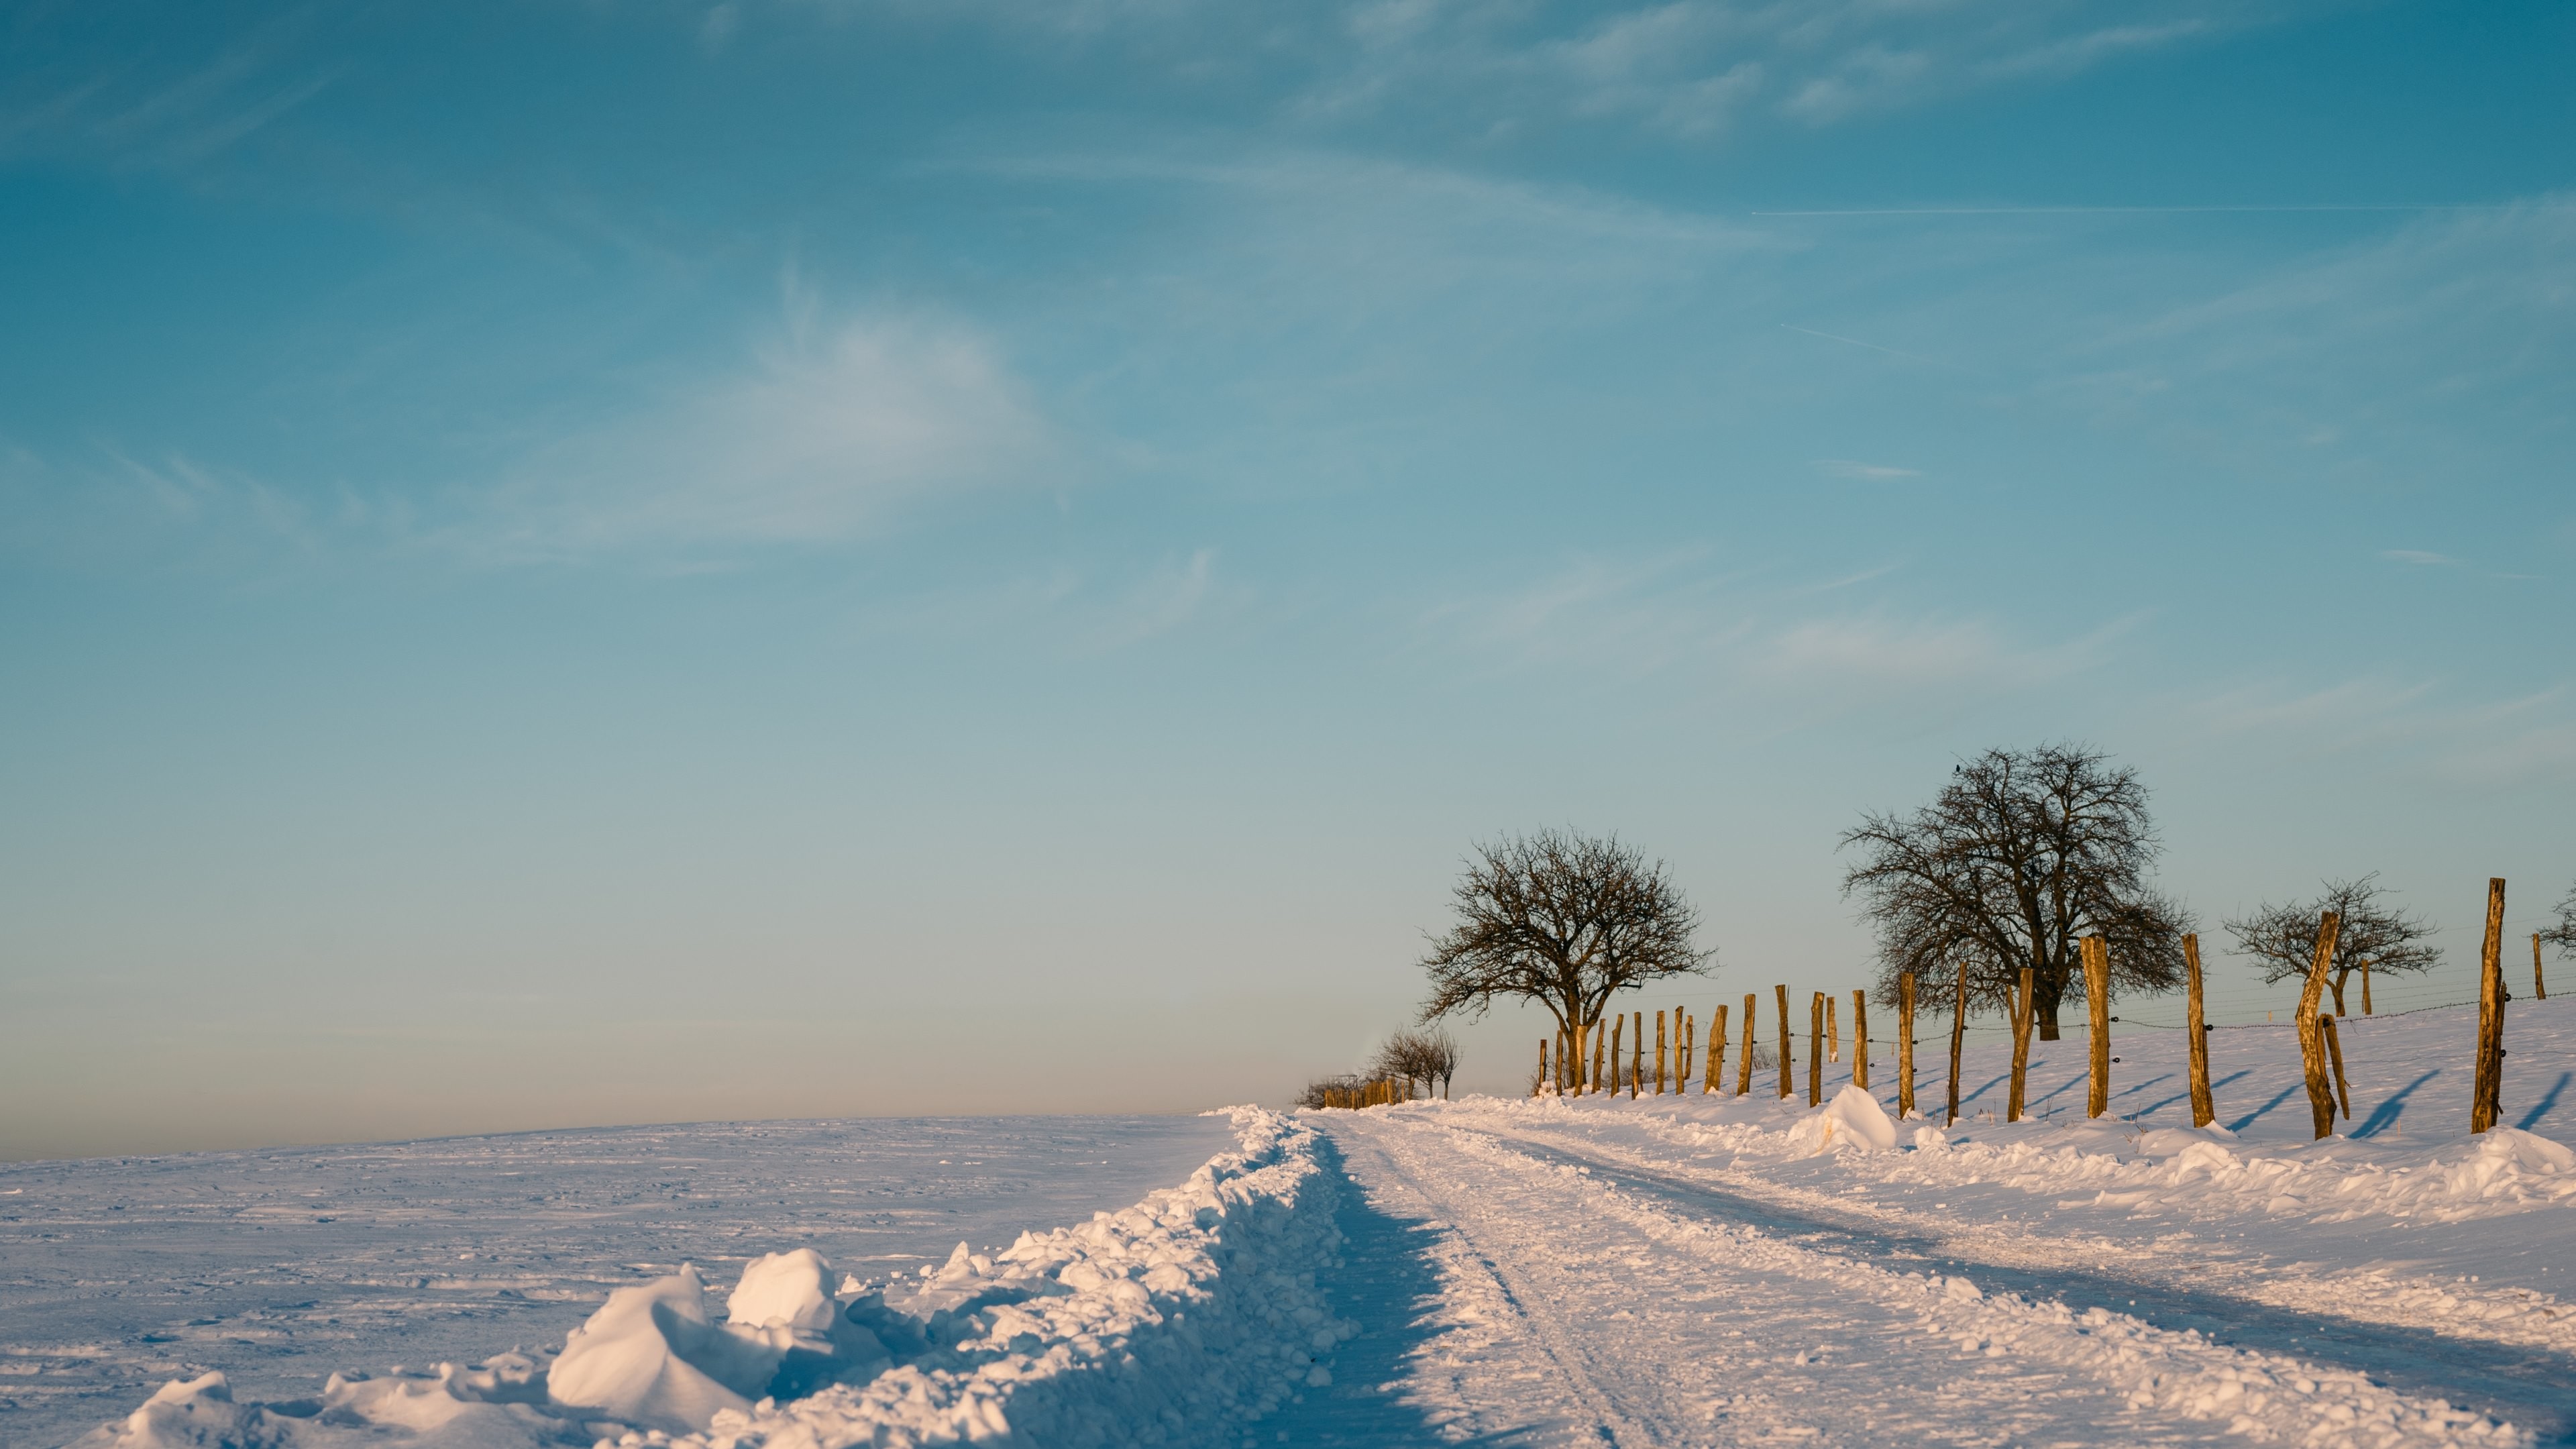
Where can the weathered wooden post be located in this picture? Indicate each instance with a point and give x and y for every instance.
(2204, 1111)
(2539, 988)
(1816, 1049)
(1659, 1053)
(1618, 1041)
(1958, 1039)
(2097, 997)
(2488, 1084)
(2365, 986)
(1690, 1050)
(1904, 1045)
(2312, 1046)
(1788, 1058)
(2334, 1053)
(1637, 1057)
(1744, 1069)
(2021, 1046)
(1833, 1032)
(1716, 1081)
(1599, 1038)
(1860, 1040)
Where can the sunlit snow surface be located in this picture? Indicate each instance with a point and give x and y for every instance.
(280, 1266)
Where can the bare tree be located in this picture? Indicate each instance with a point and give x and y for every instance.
(2283, 939)
(2020, 857)
(1429, 1057)
(2563, 935)
(1320, 1090)
(1562, 920)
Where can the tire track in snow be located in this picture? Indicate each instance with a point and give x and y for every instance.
(2380, 1298)
(2336, 1320)
(1527, 1306)
(1898, 1356)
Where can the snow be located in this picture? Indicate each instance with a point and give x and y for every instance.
(278, 1267)
(1671, 1269)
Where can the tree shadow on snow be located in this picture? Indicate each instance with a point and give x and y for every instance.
(2185, 1094)
(1388, 1286)
(2532, 1117)
(2385, 1115)
(2250, 1118)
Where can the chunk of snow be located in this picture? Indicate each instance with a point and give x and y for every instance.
(1852, 1119)
(651, 1356)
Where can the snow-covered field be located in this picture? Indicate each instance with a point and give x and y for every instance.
(1682, 1270)
(279, 1267)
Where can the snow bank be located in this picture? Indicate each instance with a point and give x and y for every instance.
(1194, 1308)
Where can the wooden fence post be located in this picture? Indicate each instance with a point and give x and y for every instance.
(2097, 997)
(1659, 1053)
(1860, 1040)
(2365, 986)
(2204, 1111)
(1744, 1069)
(1618, 1040)
(1816, 1048)
(2021, 1046)
(1690, 1050)
(1904, 1045)
(1539, 1087)
(1788, 1058)
(2488, 1085)
(1637, 1057)
(2539, 988)
(1716, 1081)
(2312, 1046)
(1833, 1031)
(1599, 1038)
(1958, 1039)
(2334, 1053)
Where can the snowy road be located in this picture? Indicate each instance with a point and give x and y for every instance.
(1582, 1300)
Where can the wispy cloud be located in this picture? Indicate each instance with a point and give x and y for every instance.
(2416, 556)
(1865, 472)
(1755, 636)
(825, 435)
(2493, 741)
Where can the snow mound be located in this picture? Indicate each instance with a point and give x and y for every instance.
(1853, 1120)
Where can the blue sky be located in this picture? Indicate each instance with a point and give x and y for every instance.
(574, 563)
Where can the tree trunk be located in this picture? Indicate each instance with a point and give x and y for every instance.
(1788, 1058)
(2049, 994)
(2203, 1110)
(2334, 987)
(1905, 1046)
(2021, 1042)
(2487, 1088)
(2312, 1045)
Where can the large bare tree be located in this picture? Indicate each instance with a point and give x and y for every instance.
(1563, 920)
(2020, 857)
(2283, 939)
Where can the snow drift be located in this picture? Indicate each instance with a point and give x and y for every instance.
(1195, 1307)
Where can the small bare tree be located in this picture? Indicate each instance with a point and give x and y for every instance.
(2283, 939)
(1415, 1055)
(2023, 855)
(1562, 920)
